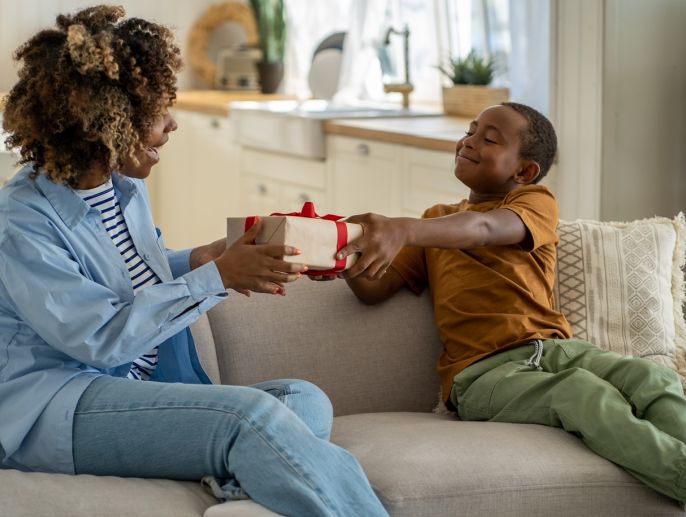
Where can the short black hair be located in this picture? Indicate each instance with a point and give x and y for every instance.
(539, 141)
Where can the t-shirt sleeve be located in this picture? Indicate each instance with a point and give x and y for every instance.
(410, 264)
(538, 210)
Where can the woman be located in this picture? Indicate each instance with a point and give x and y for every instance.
(98, 371)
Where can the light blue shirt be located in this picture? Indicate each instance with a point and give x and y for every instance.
(68, 313)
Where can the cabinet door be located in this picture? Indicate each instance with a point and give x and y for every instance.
(196, 184)
(293, 198)
(366, 176)
(274, 182)
(429, 179)
(262, 196)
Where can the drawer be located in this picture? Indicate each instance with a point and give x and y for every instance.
(293, 198)
(429, 179)
(361, 147)
(284, 168)
(261, 196)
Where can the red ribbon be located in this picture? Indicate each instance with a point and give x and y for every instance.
(341, 232)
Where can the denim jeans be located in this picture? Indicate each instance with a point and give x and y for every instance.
(269, 441)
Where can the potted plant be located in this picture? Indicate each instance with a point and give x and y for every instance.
(271, 26)
(470, 91)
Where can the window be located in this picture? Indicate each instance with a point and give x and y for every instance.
(514, 32)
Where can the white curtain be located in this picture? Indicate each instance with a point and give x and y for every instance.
(530, 33)
(515, 32)
(308, 23)
(361, 77)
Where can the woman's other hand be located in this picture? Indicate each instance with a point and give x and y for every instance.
(204, 254)
(247, 267)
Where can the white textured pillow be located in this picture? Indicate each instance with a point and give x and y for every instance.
(621, 286)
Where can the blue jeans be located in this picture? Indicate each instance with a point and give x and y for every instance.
(269, 441)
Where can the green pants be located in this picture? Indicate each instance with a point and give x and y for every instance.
(628, 410)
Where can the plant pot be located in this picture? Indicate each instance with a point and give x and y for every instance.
(271, 75)
(467, 100)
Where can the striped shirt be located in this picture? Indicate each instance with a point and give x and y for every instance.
(105, 201)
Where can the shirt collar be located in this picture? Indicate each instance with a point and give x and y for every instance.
(70, 207)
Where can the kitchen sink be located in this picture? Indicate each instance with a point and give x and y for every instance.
(297, 127)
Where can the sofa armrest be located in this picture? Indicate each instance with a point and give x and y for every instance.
(204, 345)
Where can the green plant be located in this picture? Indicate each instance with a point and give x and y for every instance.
(271, 26)
(471, 69)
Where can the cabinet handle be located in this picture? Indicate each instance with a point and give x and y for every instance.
(214, 123)
(262, 189)
(363, 149)
(303, 197)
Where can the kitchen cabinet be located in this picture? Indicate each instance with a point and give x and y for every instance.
(8, 158)
(275, 182)
(366, 176)
(196, 184)
(391, 179)
(429, 179)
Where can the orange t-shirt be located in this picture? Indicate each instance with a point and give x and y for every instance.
(491, 298)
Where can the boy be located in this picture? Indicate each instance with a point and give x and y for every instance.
(507, 354)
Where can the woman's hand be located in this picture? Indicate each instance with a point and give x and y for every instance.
(248, 267)
(382, 239)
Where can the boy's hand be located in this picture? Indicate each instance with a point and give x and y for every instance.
(382, 239)
(249, 267)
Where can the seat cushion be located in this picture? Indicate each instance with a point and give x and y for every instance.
(60, 495)
(422, 464)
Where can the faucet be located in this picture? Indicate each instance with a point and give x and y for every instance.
(404, 88)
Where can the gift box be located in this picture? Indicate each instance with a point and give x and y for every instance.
(318, 238)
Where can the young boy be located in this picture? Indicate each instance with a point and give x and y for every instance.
(507, 354)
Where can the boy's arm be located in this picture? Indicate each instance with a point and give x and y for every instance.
(384, 237)
(376, 291)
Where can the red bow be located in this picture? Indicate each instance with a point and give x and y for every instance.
(341, 231)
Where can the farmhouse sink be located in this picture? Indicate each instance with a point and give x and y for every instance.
(297, 127)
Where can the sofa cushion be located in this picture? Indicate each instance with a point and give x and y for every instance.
(37, 494)
(206, 348)
(429, 465)
(621, 286)
(379, 358)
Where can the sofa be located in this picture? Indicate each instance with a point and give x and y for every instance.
(377, 364)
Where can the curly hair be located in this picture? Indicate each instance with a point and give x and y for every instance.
(89, 91)
(539, 141)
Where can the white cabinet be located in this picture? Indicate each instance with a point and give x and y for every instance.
(8, 158)
(390, 179)
(196, 184)
(429, 179)
(366, 176)
(274, 182)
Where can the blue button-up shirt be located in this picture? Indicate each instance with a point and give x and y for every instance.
(68, 313)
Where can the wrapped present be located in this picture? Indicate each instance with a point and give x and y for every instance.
(318, 238)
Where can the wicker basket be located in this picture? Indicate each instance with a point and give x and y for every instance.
(467, 100)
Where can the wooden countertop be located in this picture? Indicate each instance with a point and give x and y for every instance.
(213, 102)
(216, 102)
(434, 133)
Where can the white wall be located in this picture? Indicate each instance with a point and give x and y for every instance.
(619, 90)
(644, 109)
(20, 19)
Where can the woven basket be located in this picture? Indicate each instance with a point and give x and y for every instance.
(467, 100)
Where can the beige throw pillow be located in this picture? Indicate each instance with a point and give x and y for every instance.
(621, 286)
